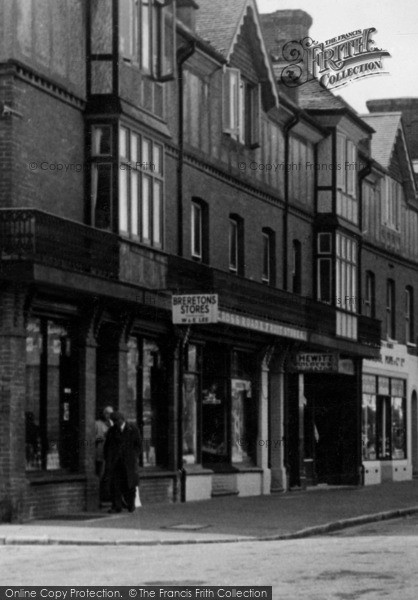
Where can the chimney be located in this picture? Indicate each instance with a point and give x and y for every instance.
(186, 13)
(279, 28)
(409, 109)
(284, 26)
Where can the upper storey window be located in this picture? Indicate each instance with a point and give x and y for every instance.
(391, 199)
(241, 108)
(147, 35)
(347, 173)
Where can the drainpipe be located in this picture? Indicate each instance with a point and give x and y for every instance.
(183, 54)
(362, 175)
(293, 121)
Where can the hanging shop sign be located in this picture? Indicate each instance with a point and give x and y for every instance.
(194, 309)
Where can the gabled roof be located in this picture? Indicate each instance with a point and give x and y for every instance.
(389, 135)
(386, 126)
(220, 21)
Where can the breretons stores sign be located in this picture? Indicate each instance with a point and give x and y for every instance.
(336, 62)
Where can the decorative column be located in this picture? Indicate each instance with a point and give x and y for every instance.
(263, 424)
(126, 406)
(12, 402)
(277, 392)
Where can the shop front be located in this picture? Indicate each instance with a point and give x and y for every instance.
(323, 425)
(221, 415)
(388, 389)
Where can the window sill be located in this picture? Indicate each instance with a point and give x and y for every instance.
(45, 478)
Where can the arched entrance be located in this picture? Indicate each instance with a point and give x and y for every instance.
(414, 433)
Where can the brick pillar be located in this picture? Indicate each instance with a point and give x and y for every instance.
(278, 470)
(87, 396)
(12, 404)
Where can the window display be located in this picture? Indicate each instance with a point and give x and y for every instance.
(383, 418)
(51, 411)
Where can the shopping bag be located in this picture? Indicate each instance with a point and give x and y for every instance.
(137, 498)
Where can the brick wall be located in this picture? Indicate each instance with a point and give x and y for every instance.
(58, 498)
(385, 268)
(223, 199)
(12, 398)
(49, 133)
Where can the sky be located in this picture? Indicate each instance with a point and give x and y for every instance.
(396, 22)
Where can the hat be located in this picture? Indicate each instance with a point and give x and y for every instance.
(117, 416)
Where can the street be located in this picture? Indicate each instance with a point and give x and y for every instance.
(369, 562)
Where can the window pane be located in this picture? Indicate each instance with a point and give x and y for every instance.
(384, 428)
(190, 397)
(369, 427)
(123, 200)
(157, 163)
(154, 417)
(134, 203)
(398, 428)
(146, 203)
(145, 35)
(51, 410)
(146, 153)
(134, 148)
(244, 423)
(156, 215)
(266, 257)
(196, 230)
(233, 245)
(123, 143)
(101, 140)
(33, 394)
(324, 283)
(101, 195)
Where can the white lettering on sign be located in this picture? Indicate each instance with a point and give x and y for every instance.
(316, 362)
(260, 325)
(189, 309)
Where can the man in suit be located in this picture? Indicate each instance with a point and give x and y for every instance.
(121, 453)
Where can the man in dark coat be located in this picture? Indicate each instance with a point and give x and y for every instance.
(121, 453)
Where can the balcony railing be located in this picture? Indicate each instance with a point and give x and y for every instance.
(251, 297)
(33, 235)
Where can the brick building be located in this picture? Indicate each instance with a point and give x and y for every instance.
(147, 151)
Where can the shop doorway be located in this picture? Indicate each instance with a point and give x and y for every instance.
(332, 428)
(414, 433)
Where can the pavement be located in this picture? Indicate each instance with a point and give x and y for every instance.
(228, 519)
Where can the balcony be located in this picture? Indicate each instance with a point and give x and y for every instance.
(34, 236)
(39, 237)
(251, 298)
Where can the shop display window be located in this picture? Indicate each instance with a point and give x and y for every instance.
(369, 427)
(191, 388)
(383, 418)
(51, 409)
(153, 406)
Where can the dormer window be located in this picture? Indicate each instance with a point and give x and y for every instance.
(241, 108)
